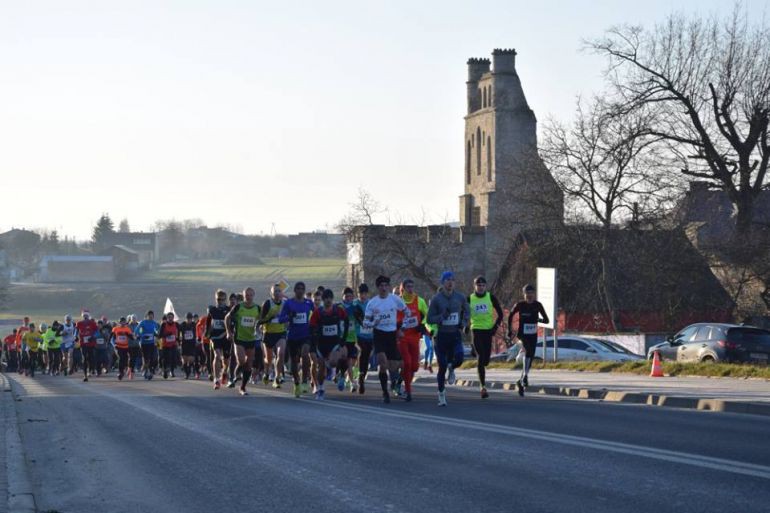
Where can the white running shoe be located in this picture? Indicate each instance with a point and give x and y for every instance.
(451, 380)
(442, 398)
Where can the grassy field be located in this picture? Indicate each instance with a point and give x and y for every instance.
(290, 269)
(642, 367)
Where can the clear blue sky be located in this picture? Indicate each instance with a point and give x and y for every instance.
(248, 113)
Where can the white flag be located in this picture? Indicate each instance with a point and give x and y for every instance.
(169, 308)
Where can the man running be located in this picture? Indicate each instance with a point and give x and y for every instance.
(216, 331)
(86, 333)
(530, 312)
(122, 334)
(328, 337)
(244, 317)
(296, 312)
(68, 335)
(148, 331)
(274, 339)
(364, 335)
(412, 328)
(382, 315)
(134, 347)
(20, 346)
(484, 325)
(12, 354)
(448, 309)
(203, 353)
(169, 336)
(102, 337)
(351, 348)
(32, 339)
(189, 344)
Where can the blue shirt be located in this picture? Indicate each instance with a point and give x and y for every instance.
(297, 314)
(367, 333)
(147, 331)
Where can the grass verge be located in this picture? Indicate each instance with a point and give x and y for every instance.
(642, 367)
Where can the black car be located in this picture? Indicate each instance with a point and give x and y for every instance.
(716, 342)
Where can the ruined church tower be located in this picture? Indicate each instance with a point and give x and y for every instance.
(507, 187)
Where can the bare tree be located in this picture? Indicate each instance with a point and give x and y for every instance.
(605, 163)
(706, 82)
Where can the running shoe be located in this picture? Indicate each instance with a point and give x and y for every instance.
(85, 379)
(520, 386)
(361, 384)
(321, 394)
(408, 398)
(242, 391)
(297, 391)
(484, 393)
(231, 384)
(216, 385)
(525, 381)
(120, 376)
(451, 379)
(276, 384)
(386, 398)
(341, 385)
(265, 380)
(442, 398)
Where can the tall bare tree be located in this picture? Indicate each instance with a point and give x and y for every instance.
(706, 81)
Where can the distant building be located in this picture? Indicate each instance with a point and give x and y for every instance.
(79, 269)
(145, 244)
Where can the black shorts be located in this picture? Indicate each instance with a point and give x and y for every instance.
(246, 344)
(385, 342)
(272, 339)
(222, 344)
(188, 348)
(324, 348)
(295, 346)
(530, 345)
(352, 349)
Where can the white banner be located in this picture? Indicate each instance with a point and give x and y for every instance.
(354, 253)
(546, 293)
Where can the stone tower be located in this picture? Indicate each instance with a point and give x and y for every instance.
(507, 187)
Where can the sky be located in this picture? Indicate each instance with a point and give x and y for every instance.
(258, 114)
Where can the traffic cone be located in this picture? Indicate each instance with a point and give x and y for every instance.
(657, 370)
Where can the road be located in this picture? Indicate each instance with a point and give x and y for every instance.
(180, 446)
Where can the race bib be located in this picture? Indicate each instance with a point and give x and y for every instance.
(188, 335)
(384, 316)
(99, 341)
(170, 338)
(248, 322)
(481, 308)
(218, 324)
(122, 339)
(452, 320)
(86, 339)
(410, 322)
(366, 331)
(530, 329)
(330, 331)
(300, 318)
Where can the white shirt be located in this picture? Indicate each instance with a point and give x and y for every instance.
(381, 313)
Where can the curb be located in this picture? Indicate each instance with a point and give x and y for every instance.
(21, 498)
(619, 396)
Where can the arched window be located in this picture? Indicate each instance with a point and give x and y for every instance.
(484, 98)
(489, 159)
(489, 96)
(478, 151)
(468, 163)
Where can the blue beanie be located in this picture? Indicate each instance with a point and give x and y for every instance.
(447, 275)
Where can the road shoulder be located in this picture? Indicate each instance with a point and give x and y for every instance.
(14, 472)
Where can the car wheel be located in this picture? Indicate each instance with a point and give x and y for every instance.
(708, 359)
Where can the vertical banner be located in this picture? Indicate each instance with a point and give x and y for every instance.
(547, 295)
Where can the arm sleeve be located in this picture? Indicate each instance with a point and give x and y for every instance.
(498, 310)
(264, 311)
(514, 311)
(434, 315)
(544, 315)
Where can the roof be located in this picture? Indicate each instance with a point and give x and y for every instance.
(124, 248)
(632, 270)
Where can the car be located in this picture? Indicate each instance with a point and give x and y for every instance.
(614, 346)
(573, 348)
(716, 342)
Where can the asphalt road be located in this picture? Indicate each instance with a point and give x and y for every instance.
(180, 446)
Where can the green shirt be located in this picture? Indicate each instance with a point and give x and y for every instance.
(482, 312)
(246, 322)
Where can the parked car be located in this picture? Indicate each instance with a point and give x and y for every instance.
(620, 349)
(716, 342)
(573, 348)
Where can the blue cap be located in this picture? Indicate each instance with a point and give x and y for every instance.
(447, 275)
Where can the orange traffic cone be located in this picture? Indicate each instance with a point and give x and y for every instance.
(657, 370)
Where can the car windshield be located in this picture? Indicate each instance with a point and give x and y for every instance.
(601, 345)
(616, 347)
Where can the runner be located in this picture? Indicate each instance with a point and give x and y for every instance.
(122, 334)
(86, 333)
(148, 331)
(232, 378)
(102, 336)
(448, 309)
(203, 348)
(169, 336)
(53, 341)
(530, 312)
(364, 335)
(412, 328)
(189, 344)
(68, 335)
(274, 340)
(382, 315)
(32, 340)
(134, 347)
(42, 350)
(217, 333)
(328, 341)
(244, 317)
(20, 346)
(12, 354)
(296, 312)
(349, 304)
(484, 325)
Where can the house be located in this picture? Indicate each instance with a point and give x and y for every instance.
(620, 279)
(145, 244)
(80, 269)
(126, 260)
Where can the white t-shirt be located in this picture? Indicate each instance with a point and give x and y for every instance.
(385, 311)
